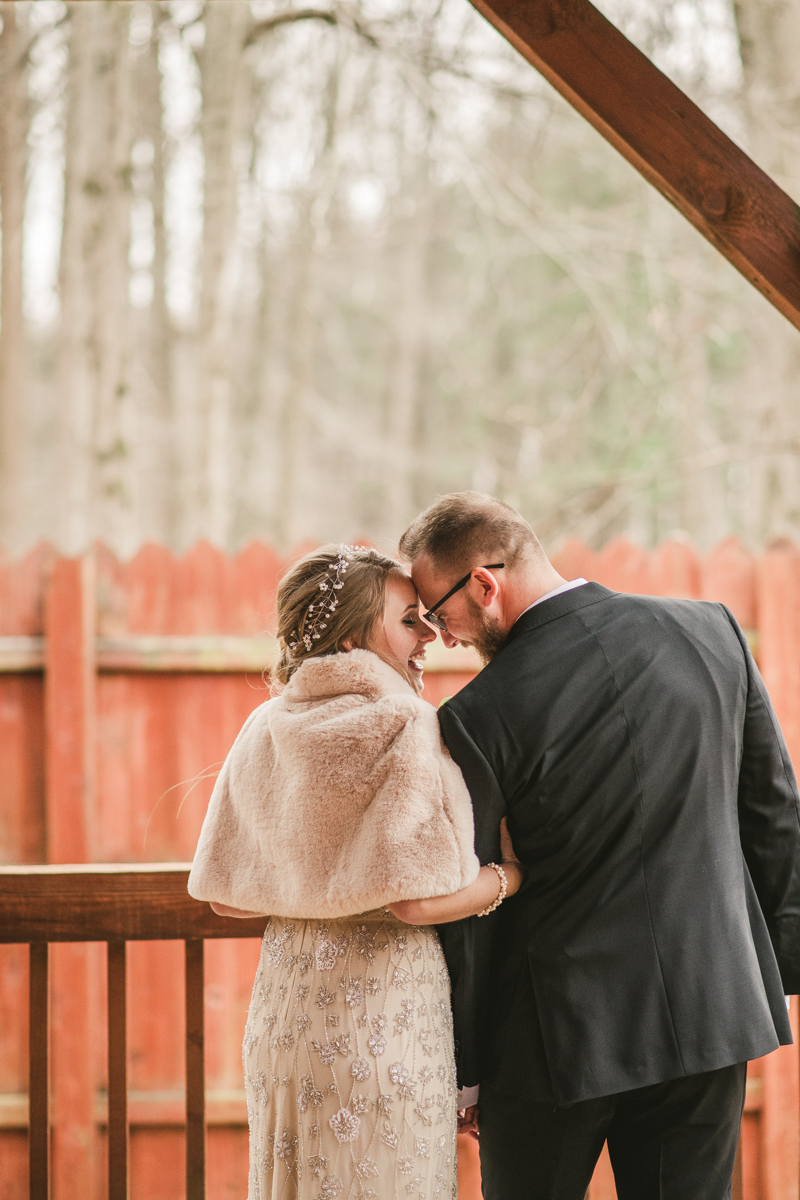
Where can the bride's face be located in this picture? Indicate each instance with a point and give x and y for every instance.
(403, 635)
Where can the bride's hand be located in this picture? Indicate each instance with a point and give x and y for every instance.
(515, 872)
(506, 849)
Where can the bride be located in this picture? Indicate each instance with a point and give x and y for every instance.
(339, 812)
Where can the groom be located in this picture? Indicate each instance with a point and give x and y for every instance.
(650, 797)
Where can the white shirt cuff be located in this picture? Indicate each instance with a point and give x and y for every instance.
(468, 1096)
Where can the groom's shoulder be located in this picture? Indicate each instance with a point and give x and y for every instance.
(579, 636)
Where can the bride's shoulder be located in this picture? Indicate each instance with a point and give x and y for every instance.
(359, 674)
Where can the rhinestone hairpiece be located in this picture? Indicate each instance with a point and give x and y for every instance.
(321, 611)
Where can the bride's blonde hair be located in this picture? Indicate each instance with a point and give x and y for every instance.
(360, 606)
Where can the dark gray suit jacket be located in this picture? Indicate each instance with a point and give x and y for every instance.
(650, 796)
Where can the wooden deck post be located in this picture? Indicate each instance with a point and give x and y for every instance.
(195, 1071)
(39, 1072)
(118, 1132)
(70, 795)
(70, 709)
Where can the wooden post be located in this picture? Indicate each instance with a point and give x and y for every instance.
(195, 1071)
(70, 709)
(118, 1171)
(70, 788)
(39, 1072)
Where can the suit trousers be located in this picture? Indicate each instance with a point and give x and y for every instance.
(670, 1141)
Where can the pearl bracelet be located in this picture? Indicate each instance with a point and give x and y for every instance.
(501, 895)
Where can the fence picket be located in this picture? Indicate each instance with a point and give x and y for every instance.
(625, 567)
(728, 574)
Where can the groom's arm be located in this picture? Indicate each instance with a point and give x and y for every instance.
(468, 944)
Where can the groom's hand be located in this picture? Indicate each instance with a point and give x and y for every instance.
(468, 1119)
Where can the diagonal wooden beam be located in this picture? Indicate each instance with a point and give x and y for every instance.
(678, 149)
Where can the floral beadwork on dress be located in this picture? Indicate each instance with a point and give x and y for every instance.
(349, 1063)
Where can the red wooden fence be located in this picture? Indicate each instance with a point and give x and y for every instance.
(122, 686)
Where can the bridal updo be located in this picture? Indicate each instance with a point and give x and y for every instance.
(306, 626)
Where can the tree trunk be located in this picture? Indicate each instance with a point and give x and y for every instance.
(410, 325)
(769, 41)
(225, 82)
(96, 446)
(303, 324)
(158, 465)
(13, 364)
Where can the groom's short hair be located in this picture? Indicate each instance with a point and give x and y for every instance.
(470, 529)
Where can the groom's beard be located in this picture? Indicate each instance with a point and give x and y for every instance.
(487, 637)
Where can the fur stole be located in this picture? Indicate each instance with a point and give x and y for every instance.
(337, 797)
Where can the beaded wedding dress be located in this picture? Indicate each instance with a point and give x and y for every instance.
(348, 1058)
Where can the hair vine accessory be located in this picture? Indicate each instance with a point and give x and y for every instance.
(321, 611)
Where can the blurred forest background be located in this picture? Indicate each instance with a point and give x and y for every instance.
(289, 272)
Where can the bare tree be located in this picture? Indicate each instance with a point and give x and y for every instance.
(158, 460)
(96, 476)
(225, 90)
(13, 363)
(312, 232)
(372, 257)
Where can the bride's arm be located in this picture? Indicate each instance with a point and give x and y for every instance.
(225, 910)
(439, 910)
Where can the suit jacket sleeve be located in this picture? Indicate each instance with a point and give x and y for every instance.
(769, 822)
(468, 944)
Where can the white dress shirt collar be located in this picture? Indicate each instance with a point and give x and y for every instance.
(563, 587)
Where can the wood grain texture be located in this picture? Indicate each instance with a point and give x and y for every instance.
(70, 710)
(733, 203)
(39, 1077)
(195, 1072)
(95, 903)
(118, 1168)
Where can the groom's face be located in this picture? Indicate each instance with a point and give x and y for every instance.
(465, 613)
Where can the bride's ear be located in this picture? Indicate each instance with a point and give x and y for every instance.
(349, 644)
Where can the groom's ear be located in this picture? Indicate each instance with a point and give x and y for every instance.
(483, 587)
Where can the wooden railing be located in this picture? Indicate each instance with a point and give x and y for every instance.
(113, 904)
(116, 904)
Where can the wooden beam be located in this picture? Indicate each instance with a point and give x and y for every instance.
(670, 141)
(109, 902)
(197, 655)
(224, 1106)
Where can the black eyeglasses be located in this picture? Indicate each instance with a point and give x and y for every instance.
(439, 622)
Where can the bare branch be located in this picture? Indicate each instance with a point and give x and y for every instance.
(291, 17)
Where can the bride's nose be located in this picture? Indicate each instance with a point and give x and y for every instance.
(427, 634)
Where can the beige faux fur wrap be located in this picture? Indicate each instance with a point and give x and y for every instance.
(337, 797)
